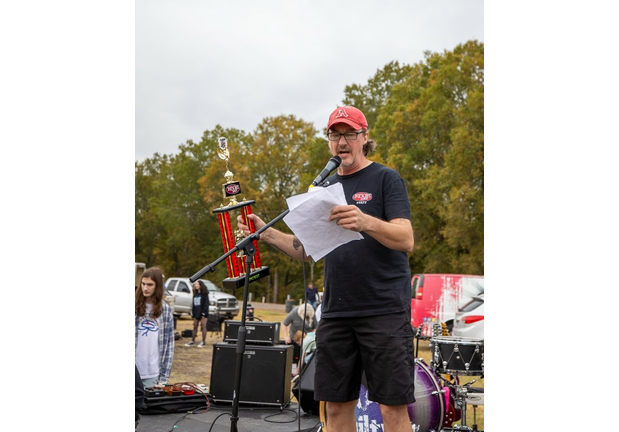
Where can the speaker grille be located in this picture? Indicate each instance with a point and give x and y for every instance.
(265, 375)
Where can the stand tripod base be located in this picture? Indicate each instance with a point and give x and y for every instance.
(237, 282)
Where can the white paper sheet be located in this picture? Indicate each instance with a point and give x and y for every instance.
(309, 220)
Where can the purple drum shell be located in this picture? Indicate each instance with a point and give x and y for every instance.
(427, 413)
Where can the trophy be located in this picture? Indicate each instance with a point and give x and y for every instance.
(236, 263)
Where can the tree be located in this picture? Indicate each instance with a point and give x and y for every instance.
(147, 229)
(281, 156)
(371, 97)
(432, 131)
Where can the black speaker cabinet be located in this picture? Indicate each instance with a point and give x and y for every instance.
(257, 332)
(303, 390)
(265, 376)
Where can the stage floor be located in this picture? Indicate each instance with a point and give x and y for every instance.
(217, 419)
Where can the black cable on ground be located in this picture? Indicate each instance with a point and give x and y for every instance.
(195, 411)
(216, 418)
(280, 413)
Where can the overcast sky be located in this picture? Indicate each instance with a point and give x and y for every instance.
(199, 63)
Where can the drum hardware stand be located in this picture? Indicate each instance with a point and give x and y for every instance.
(417, 336)
(475, 417)
(474, 405)
(462, 392)
(460, 403)
(247, 246)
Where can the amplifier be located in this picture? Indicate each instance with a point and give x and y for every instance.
(265, 374)
(257, 332)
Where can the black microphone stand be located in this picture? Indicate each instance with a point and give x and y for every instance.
(247, 245)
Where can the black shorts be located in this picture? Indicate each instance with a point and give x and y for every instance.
(382, 346)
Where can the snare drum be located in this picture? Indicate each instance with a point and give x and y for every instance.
(426, 414)
(457, 355)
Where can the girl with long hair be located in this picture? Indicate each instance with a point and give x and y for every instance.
(199, 312)
(154, 330)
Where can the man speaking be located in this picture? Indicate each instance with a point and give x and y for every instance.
(365, 321)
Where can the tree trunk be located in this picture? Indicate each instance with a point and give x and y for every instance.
(275, 286)
(268, 299)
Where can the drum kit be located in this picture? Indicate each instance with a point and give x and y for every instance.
(460, 356)
(440, 400)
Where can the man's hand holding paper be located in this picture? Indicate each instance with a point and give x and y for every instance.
(310, 220)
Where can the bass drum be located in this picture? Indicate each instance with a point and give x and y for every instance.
(426, 414)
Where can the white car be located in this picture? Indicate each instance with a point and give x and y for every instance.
(221, 303)
(469, 321)
(169, 298)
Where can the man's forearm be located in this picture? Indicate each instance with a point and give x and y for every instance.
(287, 243)
(396, 234)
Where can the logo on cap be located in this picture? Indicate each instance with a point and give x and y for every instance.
(341, 113)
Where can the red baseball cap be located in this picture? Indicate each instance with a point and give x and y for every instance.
(348, 115)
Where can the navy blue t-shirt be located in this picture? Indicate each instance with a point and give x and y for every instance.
(363, 277)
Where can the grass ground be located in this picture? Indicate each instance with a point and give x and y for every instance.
(193, 364)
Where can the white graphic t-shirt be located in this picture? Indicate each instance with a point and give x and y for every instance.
(147, 354)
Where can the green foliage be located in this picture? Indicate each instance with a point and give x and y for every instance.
(428, 121)
(433, 130)
(370, 97)
(283, 154)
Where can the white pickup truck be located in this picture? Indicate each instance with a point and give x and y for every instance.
(225, 305)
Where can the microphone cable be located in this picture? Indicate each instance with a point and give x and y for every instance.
(317, 426)
(299, 371)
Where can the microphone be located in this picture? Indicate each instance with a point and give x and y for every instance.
(333, 163)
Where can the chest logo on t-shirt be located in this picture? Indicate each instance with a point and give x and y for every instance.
(148, 325)
(362, 197)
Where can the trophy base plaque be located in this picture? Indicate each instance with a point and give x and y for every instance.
(237, 282)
